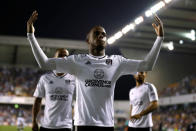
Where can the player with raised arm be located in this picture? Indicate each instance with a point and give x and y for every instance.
(96, 74)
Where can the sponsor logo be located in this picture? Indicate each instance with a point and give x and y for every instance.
(99, 73)
(58, 94)
(98, 83)
(59, 97)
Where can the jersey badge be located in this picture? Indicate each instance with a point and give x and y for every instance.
(109, 61)
(99, 73)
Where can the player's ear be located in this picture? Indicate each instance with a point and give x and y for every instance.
(87, 38)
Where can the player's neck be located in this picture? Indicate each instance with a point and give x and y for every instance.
(97, 51)
(139, 83)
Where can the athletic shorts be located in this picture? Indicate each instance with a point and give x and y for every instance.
(93, 128)
(48, 129)
(139, 129)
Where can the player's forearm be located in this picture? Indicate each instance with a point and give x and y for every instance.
(153, 106)
(148, 63)
(41, 58)
(130, 111)
(36, 108)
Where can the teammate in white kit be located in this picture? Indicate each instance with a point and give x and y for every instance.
(143, 100)
(96, 75)
(57, 89)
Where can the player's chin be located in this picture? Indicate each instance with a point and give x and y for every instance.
(101, 43)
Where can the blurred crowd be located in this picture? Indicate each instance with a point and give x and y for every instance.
(186, 86)
(9, 114)
(175, 118)
(168, 118)
(18, 81)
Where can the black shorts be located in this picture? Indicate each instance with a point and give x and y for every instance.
(48, 129)
(93, 128)
(139, 129)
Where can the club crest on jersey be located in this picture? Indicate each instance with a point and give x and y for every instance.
(67, 81)
(99, 73)
(88, 63)
(58, 90)
(109, 61)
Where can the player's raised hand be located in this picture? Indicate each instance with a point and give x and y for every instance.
(158, 27)
(31, 21)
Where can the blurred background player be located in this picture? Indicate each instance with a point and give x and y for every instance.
(143, 100)
(57, 89)
(20, 121)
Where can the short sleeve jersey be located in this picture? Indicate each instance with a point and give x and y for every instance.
(58, 93)
(95, 78)
(140, 98)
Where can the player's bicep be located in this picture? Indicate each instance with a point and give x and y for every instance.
(129, 66)
(66, 65)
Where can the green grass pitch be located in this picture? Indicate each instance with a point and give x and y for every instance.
(13, 128)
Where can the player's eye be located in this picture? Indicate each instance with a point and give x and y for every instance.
(99, 32)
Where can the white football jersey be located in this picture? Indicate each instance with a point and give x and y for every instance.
(140, 98)
(58, 92)
(96, 78)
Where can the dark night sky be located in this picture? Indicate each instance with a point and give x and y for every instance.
(72, 19)
(69, 19)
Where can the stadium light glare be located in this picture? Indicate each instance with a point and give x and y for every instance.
(181, 42)
(111, 40)
(191, 35)
(118, 35)
(148, 13)
(132, 25)
(139, 20)
(157, 7)
(127, 28)
(167, 1)
(171, 45)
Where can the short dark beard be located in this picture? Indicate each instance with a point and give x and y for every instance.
(97, 50)
(140, 81)
(100, 48)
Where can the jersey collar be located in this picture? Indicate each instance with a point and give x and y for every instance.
(98, 57)
(54, 73)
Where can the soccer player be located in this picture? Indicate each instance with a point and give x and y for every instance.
(96, 75)
(57, 89)
(20, 122)
(143, 100)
